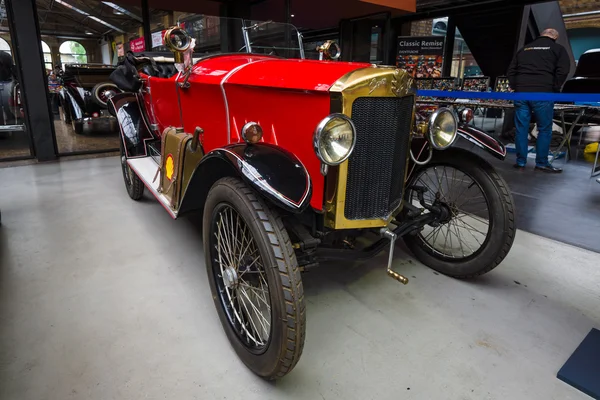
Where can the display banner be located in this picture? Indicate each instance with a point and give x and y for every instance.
(421, 56)
(137, 45)
(158, 38)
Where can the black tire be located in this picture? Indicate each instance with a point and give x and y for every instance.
(133, 184)
(102, 92)
(66, 110)
(278, 356)
(500, 211)
(78, 127)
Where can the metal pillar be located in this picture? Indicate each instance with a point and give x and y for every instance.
(449, 47)
(146, 23)
(24, 30)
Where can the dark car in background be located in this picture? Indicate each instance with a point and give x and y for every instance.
(587, 74)
(86, 91)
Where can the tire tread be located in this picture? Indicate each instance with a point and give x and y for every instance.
(289, 275)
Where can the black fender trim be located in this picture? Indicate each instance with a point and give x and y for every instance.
(273, 172)
(134, 128)
(482, 140)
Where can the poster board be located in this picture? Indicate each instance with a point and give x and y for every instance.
(502, 85)
(421, 56)
(476, 84)
(445, 84)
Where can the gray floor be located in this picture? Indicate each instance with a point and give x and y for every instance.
(105, 298)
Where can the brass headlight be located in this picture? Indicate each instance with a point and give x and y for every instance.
(178, 41)
(442, 128)
(334, 139)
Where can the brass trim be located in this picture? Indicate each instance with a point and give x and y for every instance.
(177, 48)
(365, 82)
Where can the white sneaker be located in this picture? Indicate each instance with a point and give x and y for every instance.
(598, 180)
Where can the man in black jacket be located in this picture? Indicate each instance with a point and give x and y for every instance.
(541, 66)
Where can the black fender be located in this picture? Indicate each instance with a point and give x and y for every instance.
(274, 173)
(135, 131)
(482, 140)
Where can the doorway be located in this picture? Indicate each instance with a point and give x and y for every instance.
(366, 39)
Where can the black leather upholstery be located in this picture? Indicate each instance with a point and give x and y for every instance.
(162, 70)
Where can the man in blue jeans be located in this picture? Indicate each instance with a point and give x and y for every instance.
(542, 66)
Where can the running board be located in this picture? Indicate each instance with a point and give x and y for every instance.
(147, 170)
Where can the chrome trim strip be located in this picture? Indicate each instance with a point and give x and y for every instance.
(179, 98)
(478, 142)
(223, 81)
(268, 187)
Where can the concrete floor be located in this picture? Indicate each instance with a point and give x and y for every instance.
(105, 298)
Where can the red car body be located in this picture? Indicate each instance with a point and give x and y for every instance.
(231, 90)
(291, 161)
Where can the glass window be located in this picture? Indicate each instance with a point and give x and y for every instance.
(14, 139)
(265, 37)
(47, 56)
(72, 52)
(463, 62)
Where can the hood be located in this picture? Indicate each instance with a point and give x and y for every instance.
(272, 72)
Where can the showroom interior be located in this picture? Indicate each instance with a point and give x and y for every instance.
(105, 297)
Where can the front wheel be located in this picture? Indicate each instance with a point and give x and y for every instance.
(480, 226)
(254, 279)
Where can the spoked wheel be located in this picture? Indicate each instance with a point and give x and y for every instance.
(133, 184)
(254, 279)
(479, 227)
(103, 92)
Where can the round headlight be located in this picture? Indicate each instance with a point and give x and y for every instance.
(334, 139)
(442, 128)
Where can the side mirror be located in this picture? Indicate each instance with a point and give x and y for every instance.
(178, 41)
(329, 50)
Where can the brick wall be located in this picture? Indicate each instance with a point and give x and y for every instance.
(421, 28)
(578, 6)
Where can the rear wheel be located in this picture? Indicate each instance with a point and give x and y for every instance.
(133, 184)
(254, 279)
(480, 227)
(78, 127)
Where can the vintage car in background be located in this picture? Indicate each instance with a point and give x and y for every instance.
(295, 162)
(84, 96)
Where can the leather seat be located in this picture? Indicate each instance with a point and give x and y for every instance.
(162, 70)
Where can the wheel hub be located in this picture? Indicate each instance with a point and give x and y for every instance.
(230, 278)
(446, 212)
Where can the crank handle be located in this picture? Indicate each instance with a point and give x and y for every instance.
(388, 234)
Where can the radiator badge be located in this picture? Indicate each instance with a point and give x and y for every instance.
(376, 84)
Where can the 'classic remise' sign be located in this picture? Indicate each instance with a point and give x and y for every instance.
(420, 45)
(421, 56)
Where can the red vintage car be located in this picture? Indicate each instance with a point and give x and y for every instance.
(296, 162)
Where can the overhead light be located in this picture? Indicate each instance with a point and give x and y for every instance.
(89, 33)
(63, 3)
(118, 10)
(292, 15)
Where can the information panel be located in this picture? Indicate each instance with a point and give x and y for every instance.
(421, 56)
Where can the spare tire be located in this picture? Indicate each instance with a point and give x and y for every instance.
(102, 92)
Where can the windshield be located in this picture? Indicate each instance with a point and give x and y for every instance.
(234, 35)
